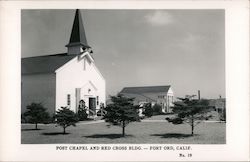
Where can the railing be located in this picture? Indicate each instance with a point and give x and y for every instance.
(103, 112)
(92, 114)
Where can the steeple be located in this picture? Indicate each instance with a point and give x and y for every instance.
(78, 41)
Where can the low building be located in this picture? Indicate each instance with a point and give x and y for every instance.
(162, 95)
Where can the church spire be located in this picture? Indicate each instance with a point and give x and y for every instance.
(78, 41)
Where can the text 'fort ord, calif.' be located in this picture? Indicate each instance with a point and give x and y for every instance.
(123, 148)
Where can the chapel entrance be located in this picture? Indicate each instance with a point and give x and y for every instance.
(92, 106)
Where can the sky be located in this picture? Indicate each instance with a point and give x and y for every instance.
(181, 48)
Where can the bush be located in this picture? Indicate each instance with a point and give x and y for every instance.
(148, 110)
(157, 109)
(82, 114)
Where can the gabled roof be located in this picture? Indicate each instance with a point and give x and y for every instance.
(140, 97)
(78, 36)
(44, 64)
(148, 89)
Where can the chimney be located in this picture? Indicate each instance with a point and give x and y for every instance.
(199, 95)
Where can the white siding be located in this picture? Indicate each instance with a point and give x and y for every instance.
(73, 75)
(170, 100)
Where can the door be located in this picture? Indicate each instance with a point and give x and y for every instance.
(92, 106)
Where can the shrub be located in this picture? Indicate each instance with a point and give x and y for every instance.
(148, 110)
(157, 109)
(82, 114)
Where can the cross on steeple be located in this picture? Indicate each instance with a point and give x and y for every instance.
(78, 41)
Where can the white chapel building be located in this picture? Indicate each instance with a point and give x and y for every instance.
(64, 79)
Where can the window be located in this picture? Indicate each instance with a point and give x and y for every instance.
(68, 99)
(161, 96)
(97, 100)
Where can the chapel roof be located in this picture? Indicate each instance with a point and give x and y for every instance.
(44, 64)
(146, 89)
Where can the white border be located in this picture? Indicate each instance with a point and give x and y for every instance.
(237, 85)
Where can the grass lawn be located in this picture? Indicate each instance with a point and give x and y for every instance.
(137, 132)
(163, 117)
(159, 117)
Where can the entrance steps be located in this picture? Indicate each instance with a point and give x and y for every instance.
(95, 117)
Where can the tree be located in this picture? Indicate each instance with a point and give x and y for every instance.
(121, 112)
(36, 113)
(82, 114)
(65, 118)
(190, 111)
(148, 110)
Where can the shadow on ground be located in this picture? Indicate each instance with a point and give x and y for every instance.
(30, 129)
(110, 136)
(54, 133)
(173, 135)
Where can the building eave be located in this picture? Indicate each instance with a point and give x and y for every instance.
(65, 65)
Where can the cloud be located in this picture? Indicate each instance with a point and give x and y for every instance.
(192, 38)
(159, 18)
(191, 41)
